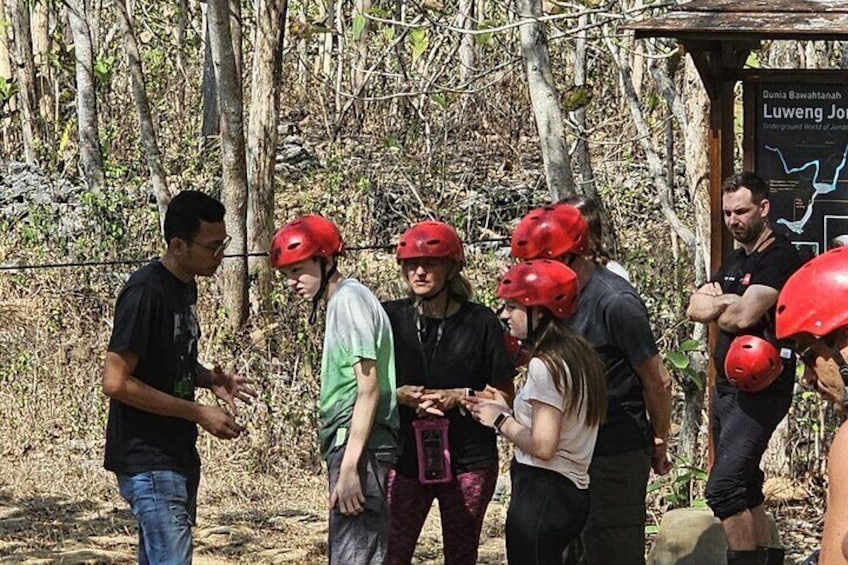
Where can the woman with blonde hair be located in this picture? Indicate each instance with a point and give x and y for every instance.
(446, 348)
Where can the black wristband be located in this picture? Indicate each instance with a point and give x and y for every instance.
(499, 421)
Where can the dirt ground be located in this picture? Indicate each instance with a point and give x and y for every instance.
(63, 508)
(58, 505)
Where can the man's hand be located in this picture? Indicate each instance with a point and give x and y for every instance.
(229, 386)
(660, 460)
(348, 493)
(218, 422)
(711, 289)
(829, 384)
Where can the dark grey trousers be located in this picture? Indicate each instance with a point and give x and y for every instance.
(362, 539)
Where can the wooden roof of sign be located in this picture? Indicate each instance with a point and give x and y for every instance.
(750, 20)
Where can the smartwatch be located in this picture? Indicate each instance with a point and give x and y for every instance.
(499, 421)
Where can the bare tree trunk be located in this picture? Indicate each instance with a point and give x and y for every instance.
(92, 159)
(6, 104)
(465, 11)
(41, 45)
(655, 165)
(262, 141)
(236, 35)
(25, 74)
(544, 99)
(302, 50)
(327, 49)
(208, 87)
(340, 58)
(359, 60)
(695, 126)
(584, 162)
(5, 50)
(180, 56)
(233, 161)
(158, 178)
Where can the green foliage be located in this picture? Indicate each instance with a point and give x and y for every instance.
(680, 362)
(359, 23)
(577, 97)
(677, 487)
(103, 68)
(418, 41)
(7, 90)
(442, 100)
(486, 39)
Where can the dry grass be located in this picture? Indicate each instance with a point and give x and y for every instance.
(263, 496)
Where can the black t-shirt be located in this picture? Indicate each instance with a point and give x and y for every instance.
(770, 267)
(469, 353)
(155, 318)
(612, 317)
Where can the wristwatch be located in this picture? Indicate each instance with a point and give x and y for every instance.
(499, 421)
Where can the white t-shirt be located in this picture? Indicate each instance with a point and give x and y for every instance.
(576, 439)
(618, 269)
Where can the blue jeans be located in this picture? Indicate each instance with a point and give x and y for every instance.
(165, 504)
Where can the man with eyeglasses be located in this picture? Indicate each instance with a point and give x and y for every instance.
(811, 310)
(741, 300)
(150, 376)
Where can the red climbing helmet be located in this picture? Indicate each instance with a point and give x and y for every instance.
(430, 239)
(812, 300)
(300, 239)
(752, 363)
(541, 282)
(550, 232)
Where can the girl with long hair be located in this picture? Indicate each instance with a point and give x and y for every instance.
(556, 415)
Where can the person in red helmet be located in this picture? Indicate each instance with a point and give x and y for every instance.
(612, 317)
(557, 412)
(446, 347)
(741, 299)
(358, 411)
(810, 311)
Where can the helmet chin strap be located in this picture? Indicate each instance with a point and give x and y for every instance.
(325, 281)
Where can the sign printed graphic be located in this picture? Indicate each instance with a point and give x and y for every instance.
(801, 138)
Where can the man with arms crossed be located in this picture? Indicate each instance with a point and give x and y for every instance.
(741, 300)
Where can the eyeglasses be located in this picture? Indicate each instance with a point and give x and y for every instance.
(217, 249)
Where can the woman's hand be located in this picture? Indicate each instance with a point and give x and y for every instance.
(485, 411)
(444, 399)
(413, 396)
(409, 395)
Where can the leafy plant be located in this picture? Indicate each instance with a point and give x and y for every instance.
(678, 486)
(682, 365)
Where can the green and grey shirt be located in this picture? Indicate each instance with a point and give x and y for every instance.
(357, 328)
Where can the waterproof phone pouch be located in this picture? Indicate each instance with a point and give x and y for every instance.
(431, 440)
